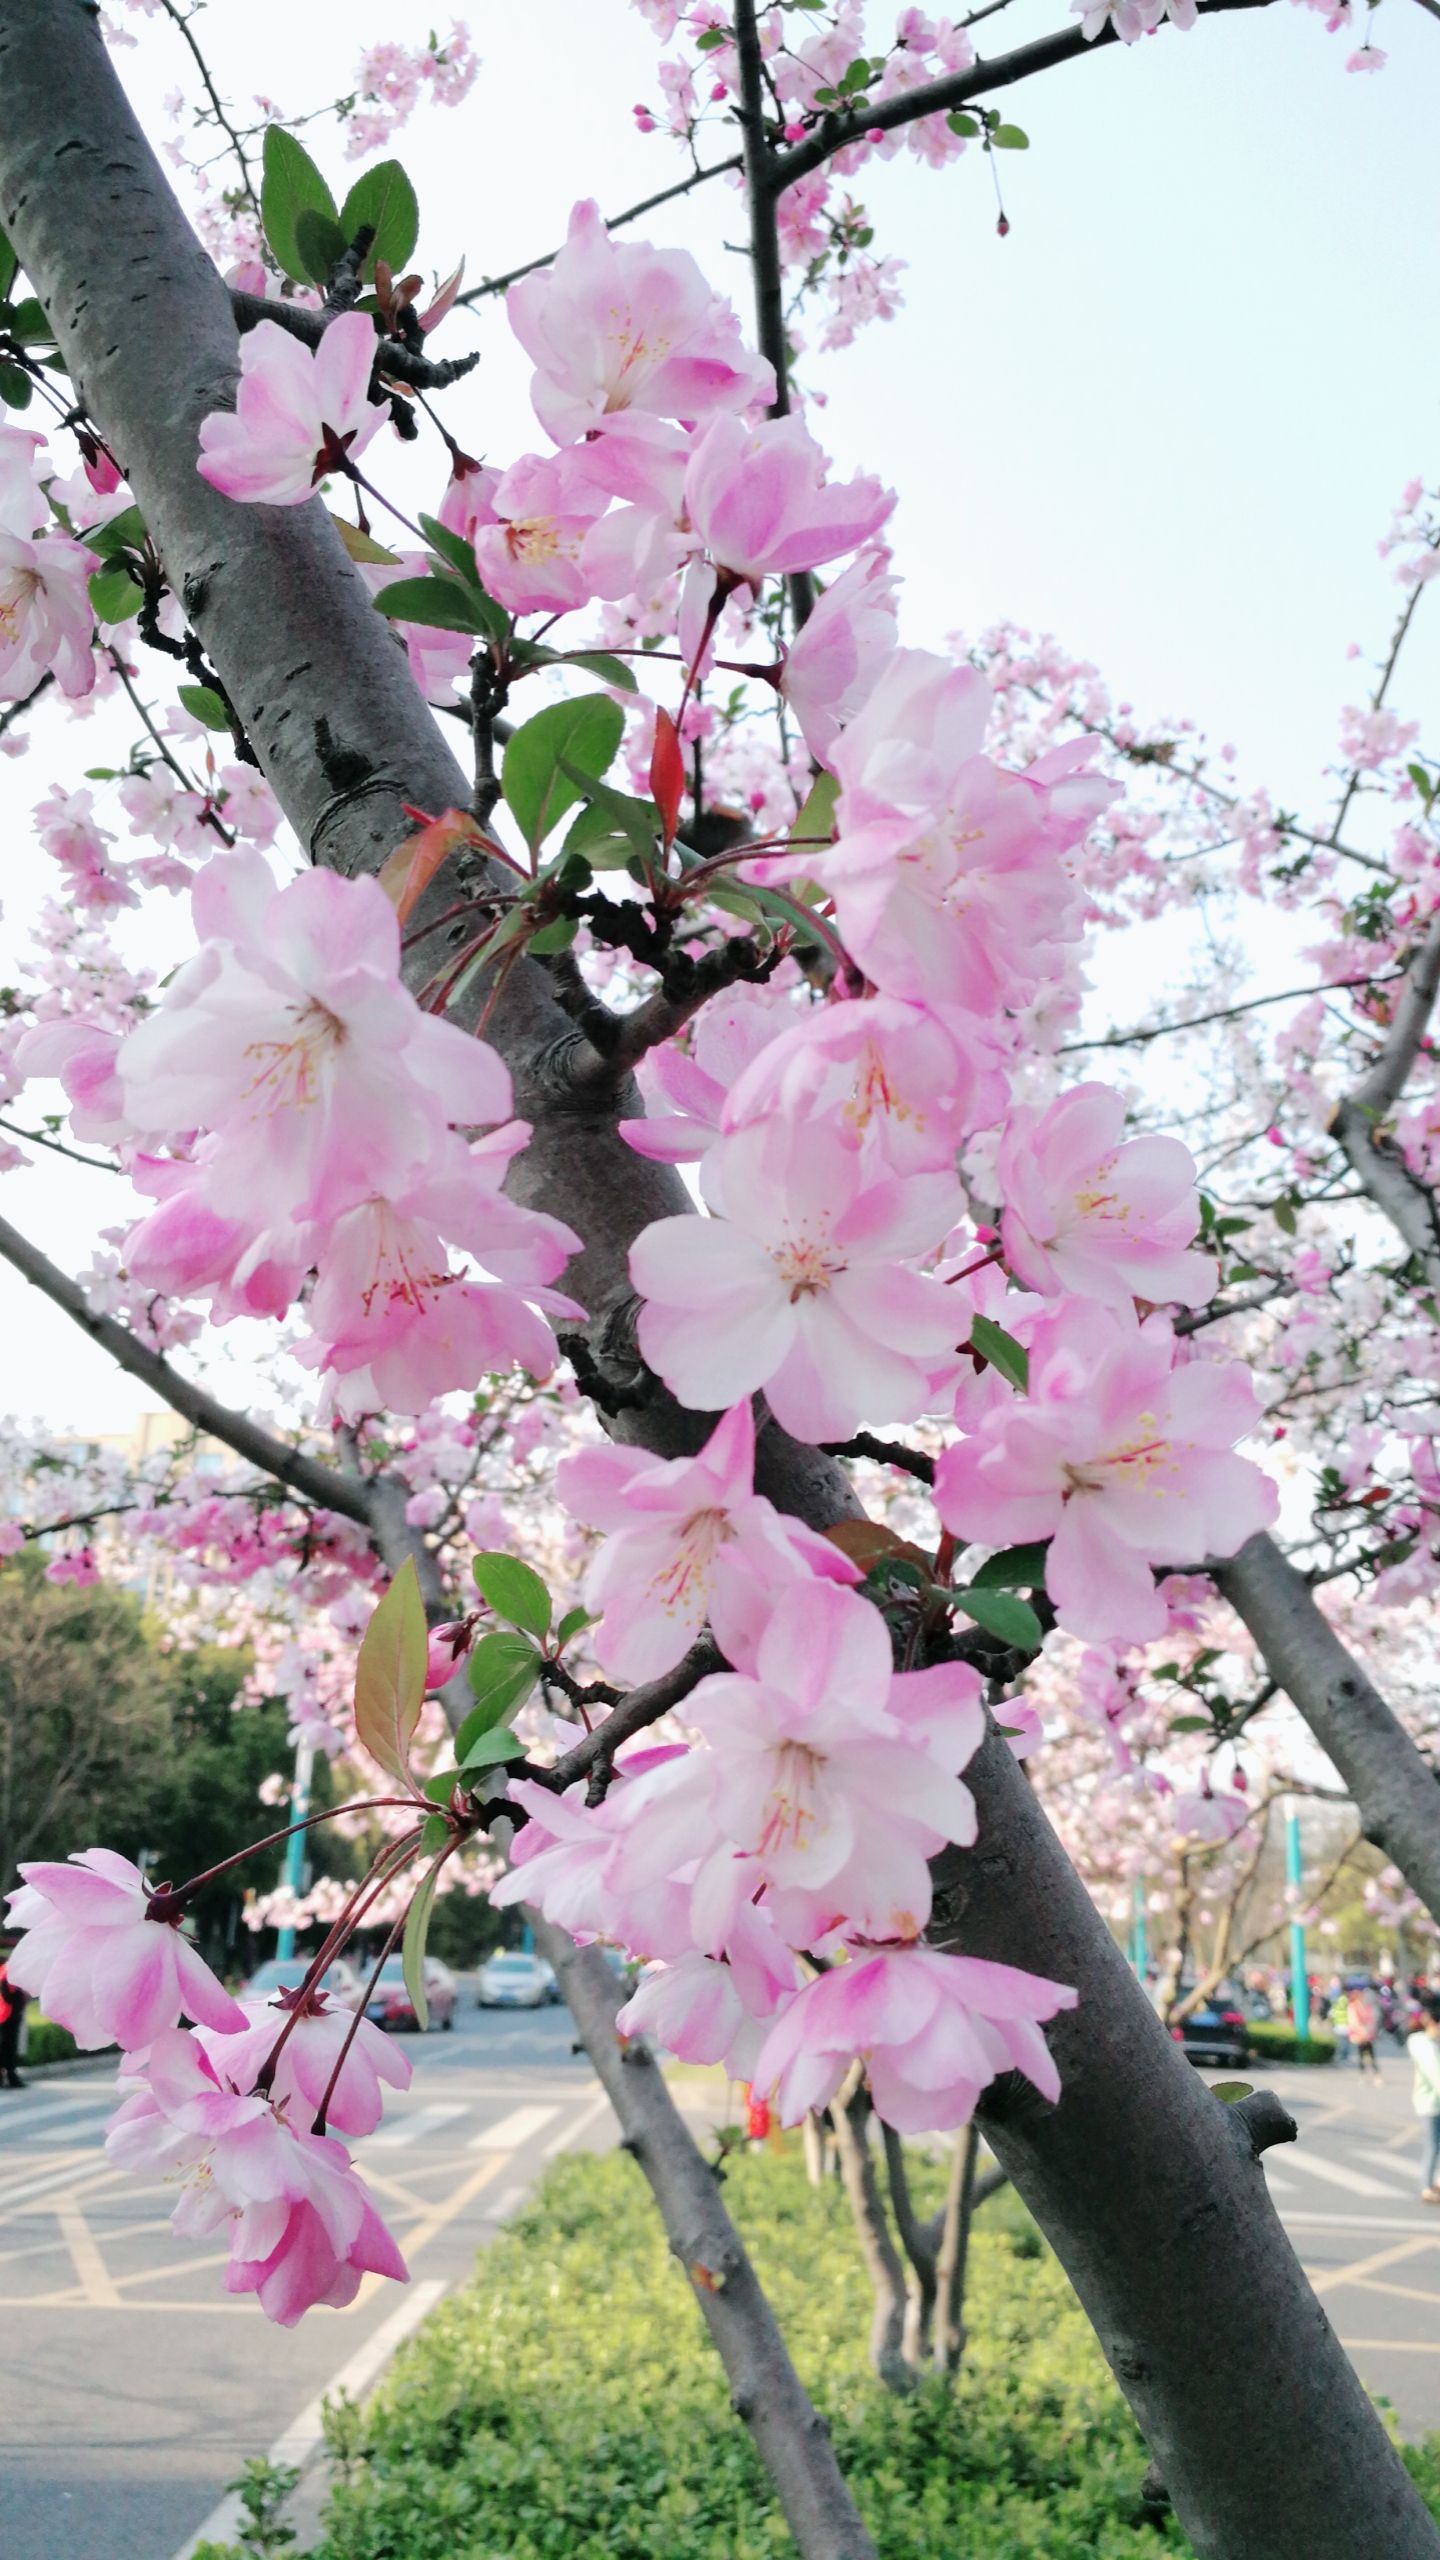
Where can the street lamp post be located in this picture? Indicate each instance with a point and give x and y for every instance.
(1295, 1874)
(293, 1877)
(1139, 1932)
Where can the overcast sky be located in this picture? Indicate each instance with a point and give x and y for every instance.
(1166, 418)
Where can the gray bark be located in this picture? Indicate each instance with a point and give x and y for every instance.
(1149, 2193)
(850, 2116)
(1392, 1783)
(789, 2433)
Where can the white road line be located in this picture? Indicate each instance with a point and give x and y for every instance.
(1417, 2224)
(508, 2201)
(571, 2132)
(304, 2433)
(1336, 2176)
(35, 2123)
(406, 2129)
(1276, 2179)
(81, 2164)
(1395, 2165)
(512, 2132)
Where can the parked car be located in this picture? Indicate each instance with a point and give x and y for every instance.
(1214, 2031)
(512, 1979)
(286, 1973)
(390, 2004)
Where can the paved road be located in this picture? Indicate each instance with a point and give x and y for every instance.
(132, 2388)
(1348, 2192)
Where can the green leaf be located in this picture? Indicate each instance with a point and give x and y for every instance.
(1230, 2092)
(15, 386)
(817, 815)
(442, 604)
(965, 126)
(434, 1833)
(712, 39)
(1284, 1216)
(115, 595)
(514, 1591)
(1003, 1614)
(9, 267)
(442, 1786)
(1014, 1569)
(1001, 1350)
(321, 244)
(571, 1624)
(28, 323)
(383, 197)
(553, 937)
(291, 185)
(1191, 1724)
(452, 547)
(1008, 137)
(598, 662)
(205, 704)
(503, 1670)
(584, 733)
(363, 546)
(491, 1749)
(1424, 782)
(609, 818)
(412, 1945)
(125, 532)
(390, 1674)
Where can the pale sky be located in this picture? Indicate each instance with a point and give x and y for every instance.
(1166, 418)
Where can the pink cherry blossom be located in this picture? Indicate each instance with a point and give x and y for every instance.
(690, 1085)
(299, 413)
(761, 502)
(902, 1085)
(706, 2009)
(1090, 1211)
(802, 1283)
(612, 327)
(835, 660)
(934, 2031)
(301, 2228)
(46, 619)
(688, 1539)
(834, 1775)
(530, 557)
(1119, 1457)
(307, 2058)
(291, 1032)
(104, 1964)
(82, 1056)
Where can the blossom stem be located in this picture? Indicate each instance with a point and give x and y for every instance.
(173, 1898)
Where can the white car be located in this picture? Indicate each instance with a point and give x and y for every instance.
(514, 1980)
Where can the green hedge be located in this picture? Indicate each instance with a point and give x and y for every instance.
(567, 2405)
(45, 2042)
(1274, 2041)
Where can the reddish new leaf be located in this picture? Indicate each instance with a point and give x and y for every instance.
(443, 301)
(667, 774)
(390, 1674)
(407, 873)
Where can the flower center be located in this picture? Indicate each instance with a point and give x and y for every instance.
(286, 1074)
(807, 1264)
(792, 1814)
(689, 1569)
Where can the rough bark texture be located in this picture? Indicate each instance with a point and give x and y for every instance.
(1151, 2195)
(789, 2432)
(1391, 1781)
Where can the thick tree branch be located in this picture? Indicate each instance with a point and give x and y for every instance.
(643, 1706)
(765, 2390)
(396, 362)
(307, 1476)
(1392, 1784)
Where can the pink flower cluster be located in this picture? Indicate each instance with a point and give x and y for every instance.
(46, 624)
(318, 1120)
(112, 1963)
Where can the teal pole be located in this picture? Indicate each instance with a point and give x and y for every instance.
(1139, 1936)
(1299, 1976)
(293, 1876)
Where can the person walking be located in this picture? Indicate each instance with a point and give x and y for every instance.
(1362, 2027)
(13, 2002)
(1337, 2018)
(1424, 2051)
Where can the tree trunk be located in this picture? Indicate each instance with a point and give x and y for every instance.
(953, 2258)
(851, 2116)
(1149, 2191)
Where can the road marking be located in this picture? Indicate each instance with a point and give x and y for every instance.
(507, 2202)
(74, 2175)
(424, 2232)
(29, 2128)
(1355, 2222)
(1390, 2161)
(1391, 2346)
(95, 2278)
(305, 2432)
(513, 2132)
(1360, 2268)
(404, 2129)
(1276, 2179)
(1334, 2176)
(572, 2131)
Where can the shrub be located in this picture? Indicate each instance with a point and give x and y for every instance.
(45, 2041)
(1273, 2041)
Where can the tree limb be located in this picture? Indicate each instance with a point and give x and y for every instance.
(396, 362)
(765, 2390)
(309, 1477)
